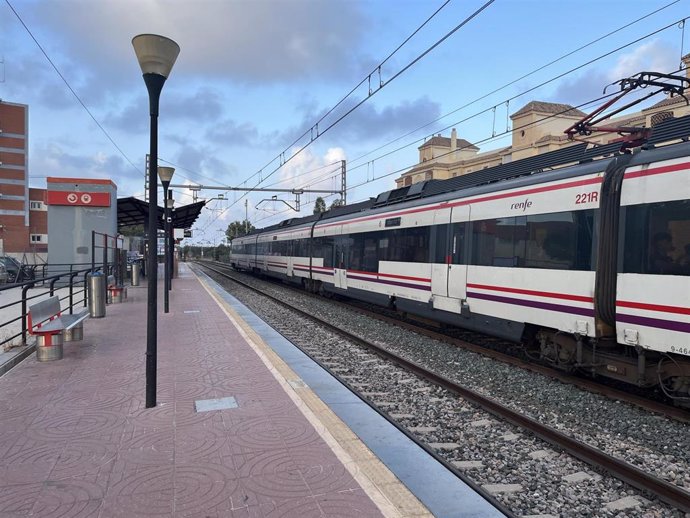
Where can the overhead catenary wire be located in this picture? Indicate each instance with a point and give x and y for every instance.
(352, 163)
(559, 76)
(284, 159)
(524, 76)
(508, 100)
(589, 62)
(508, 131)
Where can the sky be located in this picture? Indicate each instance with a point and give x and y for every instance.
(255, 76)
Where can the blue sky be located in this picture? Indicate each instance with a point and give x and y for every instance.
(252, 76)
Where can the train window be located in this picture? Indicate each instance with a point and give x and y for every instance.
(560, 241)
(498, 242)
(410, 245)
(370, 261)
(439, 244)
(657, 238)
(551, 241)
(343, 251)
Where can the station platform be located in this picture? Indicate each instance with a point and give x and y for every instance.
(245, 426)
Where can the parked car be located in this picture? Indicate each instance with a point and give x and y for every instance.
(15, 271)
(3, 273)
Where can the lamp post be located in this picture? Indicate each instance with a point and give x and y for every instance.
(169, 204)
(166, 174)
(156, 56)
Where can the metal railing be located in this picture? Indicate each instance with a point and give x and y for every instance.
(106, 243)
(72, 287)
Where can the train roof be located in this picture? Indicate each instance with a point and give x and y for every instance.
(576, 154)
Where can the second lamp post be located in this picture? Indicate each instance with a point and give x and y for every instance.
(166, 174)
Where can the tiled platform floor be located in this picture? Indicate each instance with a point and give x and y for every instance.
(76, 440)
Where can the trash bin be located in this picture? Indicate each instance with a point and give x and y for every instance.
(135, 273)
(97, 295)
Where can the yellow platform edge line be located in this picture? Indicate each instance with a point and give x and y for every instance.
(387, 492)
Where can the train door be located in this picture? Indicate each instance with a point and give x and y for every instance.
(440, 259)
(289, 253)
(341, 261)
(457, 269)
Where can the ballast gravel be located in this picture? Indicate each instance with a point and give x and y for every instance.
(521, 471)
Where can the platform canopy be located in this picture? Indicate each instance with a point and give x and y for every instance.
(133, 211)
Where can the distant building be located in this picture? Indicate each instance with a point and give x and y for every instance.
(537, 127)
(23, 213)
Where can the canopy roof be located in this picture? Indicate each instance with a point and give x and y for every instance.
(133, 211)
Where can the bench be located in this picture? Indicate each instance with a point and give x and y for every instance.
(53, 328)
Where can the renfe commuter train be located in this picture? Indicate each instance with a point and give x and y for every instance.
(586, 265)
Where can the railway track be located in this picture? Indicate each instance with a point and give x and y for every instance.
(645, 482)
(591, 385)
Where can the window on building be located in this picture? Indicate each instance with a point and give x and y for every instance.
(38, 238)
(36, 205)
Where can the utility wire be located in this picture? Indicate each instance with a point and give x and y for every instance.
(511, 98)
(284, 160)
(347, 95)
(508, 100)
(525, 76)
(76, 96)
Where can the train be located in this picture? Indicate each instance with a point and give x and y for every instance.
(580, 255)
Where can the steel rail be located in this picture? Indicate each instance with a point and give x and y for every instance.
(624, 471)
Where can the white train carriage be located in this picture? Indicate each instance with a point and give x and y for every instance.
(653, 288)
(589, 265)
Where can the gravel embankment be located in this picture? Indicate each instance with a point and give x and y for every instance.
(522, 471)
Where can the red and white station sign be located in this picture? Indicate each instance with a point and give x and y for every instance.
(91, 199)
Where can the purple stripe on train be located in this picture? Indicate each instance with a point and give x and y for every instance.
(587, 312)
(322, 272)
(391, 283)
(672, 325)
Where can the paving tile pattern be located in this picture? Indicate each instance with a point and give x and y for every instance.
(77, 441)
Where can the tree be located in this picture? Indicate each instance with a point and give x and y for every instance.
(238, 228)
(319, 205)
(133, 230)
(336, 203)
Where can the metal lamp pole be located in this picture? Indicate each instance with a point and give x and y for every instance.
(166, 174)
(169, 204)
(156, 56)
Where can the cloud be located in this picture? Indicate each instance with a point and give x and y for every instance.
(53, 159)
(44, 85)
(246, 41)
(656, 56)
(203, 105)
(230, 133)
(368, 122)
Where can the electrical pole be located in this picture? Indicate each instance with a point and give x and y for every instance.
(343, 183)
(246, 216)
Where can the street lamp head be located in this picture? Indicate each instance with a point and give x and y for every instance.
(166, 174)
(156, 54)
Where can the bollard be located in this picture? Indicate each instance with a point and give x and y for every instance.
(97, 295)
(135, 273)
